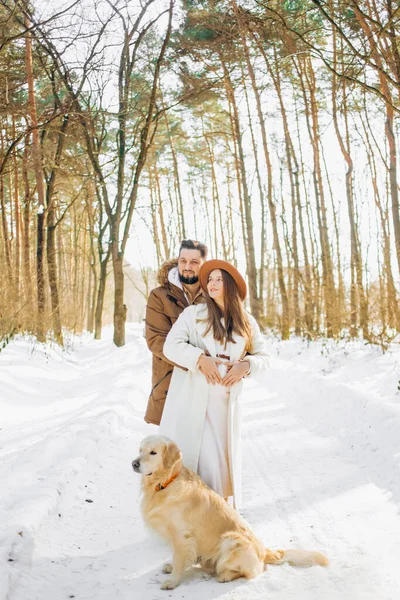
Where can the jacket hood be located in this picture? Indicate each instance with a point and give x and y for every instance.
(162, 275)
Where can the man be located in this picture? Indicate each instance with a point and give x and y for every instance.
(179, 287)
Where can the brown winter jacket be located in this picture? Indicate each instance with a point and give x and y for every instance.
(164, 306)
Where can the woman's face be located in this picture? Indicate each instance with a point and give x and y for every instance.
(215, 286)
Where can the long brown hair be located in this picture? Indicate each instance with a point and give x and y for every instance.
(235, 319)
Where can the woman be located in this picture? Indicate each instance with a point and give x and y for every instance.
(217, 344)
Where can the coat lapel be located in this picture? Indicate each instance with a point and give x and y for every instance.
(208, 340)
(237, 349)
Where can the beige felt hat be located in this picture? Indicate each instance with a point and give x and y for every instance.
(210, 265)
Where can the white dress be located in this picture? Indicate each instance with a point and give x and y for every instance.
(213, 467)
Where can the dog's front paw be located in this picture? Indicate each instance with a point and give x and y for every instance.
(167, 568)
(225, 576)
(169, 584)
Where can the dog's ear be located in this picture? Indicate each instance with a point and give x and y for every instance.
(171, 455)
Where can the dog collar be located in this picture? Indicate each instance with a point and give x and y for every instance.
(162, 486)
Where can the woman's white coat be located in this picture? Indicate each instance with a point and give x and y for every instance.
(186, 404)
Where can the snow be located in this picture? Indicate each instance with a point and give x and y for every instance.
(321, 466)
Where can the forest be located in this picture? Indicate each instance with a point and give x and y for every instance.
(267, 129)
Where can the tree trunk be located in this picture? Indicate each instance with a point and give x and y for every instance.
(306, 73)
(250, 255)
(28, 291)
(51, 241)
(4, 222)
(218, 222)
(230, 226)
(177, 182)
(308, 300)
(262, 199)
(271, 203)
(357, 287)
(120, 309)
(37, 165)
(161, 212)
(238, 177)
(17, 216)
(98, 321)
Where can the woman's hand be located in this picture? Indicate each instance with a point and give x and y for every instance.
(236, 372)
(208, 365)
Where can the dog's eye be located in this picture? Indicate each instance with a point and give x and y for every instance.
(152, 452)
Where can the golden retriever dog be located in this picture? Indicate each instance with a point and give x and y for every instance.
(199, 525)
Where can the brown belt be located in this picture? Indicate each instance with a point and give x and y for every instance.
(224, 356)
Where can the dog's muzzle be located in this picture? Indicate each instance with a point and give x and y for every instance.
(136, 466)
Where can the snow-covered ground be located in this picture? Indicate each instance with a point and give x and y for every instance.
(321, 463)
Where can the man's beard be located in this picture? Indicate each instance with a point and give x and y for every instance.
(188, 280)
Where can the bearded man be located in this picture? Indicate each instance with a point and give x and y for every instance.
(179, 288)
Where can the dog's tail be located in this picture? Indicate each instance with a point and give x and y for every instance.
(298, 558)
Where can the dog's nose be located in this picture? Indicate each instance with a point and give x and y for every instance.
(136, 465)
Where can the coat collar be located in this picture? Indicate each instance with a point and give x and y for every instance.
(236, 349)
(173, 277)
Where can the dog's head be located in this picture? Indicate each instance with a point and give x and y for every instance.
(157, 454)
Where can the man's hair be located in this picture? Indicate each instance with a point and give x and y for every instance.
(193, 245)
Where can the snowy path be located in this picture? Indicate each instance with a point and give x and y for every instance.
(321, 462)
